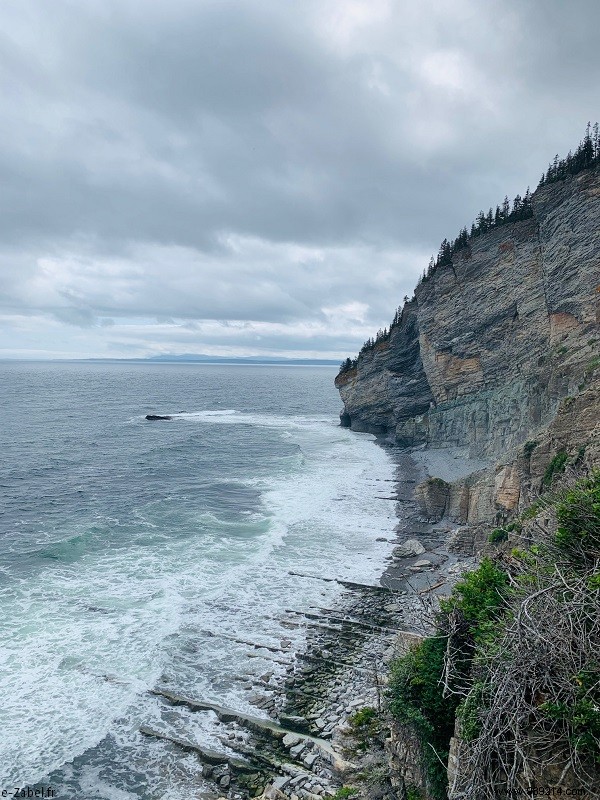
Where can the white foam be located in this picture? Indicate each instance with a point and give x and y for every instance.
(233, 417)
(140, 614)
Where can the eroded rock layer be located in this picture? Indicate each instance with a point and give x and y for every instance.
(492, 343)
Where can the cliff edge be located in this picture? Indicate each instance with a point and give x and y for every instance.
(498, 348)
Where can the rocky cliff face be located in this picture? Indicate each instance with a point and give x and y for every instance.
(492, 343)
(491, 349)
(496, 358)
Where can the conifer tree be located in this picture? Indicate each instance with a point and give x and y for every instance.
(586, 156)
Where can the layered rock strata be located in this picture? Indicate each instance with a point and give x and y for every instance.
(497, 360)
(497, 355)
(493, 342)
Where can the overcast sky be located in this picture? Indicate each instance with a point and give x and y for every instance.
(262, 177)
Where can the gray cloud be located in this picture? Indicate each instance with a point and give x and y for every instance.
(279, 164)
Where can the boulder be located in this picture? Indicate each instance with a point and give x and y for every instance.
(432, 497)
(294, 723)
(411, 547)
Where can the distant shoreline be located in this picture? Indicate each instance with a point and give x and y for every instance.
(182, 362)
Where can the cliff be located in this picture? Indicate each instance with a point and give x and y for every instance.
(490, 347)
(496, 358)
(492, 343)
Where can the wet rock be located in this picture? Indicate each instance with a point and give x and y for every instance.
(294, 722)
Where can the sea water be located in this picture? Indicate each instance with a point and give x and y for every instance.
(134, 553)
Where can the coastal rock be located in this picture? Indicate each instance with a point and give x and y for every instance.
(274, 793)
(485, 352)
(497, 355)
(432, 497)
(411, 547)
(294, 723)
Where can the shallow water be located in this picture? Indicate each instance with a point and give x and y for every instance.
(131, 550)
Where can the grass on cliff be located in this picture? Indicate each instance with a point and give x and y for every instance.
(516, 662)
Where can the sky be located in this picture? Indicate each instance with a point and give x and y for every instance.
(262, 177)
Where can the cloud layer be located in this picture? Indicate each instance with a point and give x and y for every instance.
(244, 177)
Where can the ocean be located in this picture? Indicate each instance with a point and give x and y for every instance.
(134, 553)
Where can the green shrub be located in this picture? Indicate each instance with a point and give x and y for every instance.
(532, 511)
(366, 727)
(479, 596)
(595, 362)
(416, 699)
(578, 517)
(555, 467)
(363, 717)
(594, 582)
(437, 482)
(580, 454)
(498, 535)
(582, 714)
(478, 633)
(344, 793)
(469, 710)
(501, 534)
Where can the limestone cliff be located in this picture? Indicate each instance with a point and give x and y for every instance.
(497, 348)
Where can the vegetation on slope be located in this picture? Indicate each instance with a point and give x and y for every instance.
(516, 661)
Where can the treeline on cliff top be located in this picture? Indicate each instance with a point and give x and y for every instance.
(586, 156)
